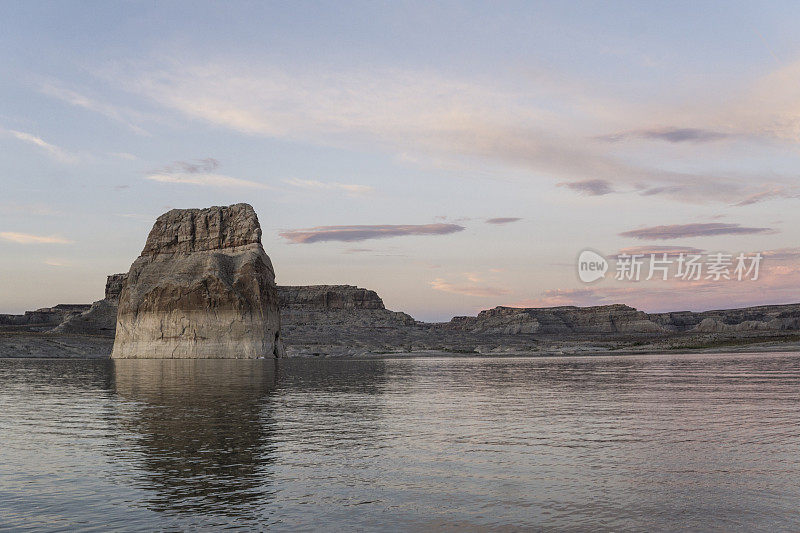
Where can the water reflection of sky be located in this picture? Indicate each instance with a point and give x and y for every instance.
(698, 442)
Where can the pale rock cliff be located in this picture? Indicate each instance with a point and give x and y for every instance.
(203, 287)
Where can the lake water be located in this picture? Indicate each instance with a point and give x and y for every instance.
(699, 442)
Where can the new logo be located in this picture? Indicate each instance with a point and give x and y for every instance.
(591, 266)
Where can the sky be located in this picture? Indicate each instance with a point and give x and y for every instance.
(452, 156)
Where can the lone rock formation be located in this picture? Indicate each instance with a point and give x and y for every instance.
(203, 287)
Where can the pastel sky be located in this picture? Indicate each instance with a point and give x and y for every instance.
(452, 156)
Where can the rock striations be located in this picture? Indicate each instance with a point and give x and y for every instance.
(328, 297)
(203, 287)
(101, 318)
(620, 319)
(341, 320)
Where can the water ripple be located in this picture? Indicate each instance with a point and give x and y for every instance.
(701, 442)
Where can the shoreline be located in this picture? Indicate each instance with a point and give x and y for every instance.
(43, 345)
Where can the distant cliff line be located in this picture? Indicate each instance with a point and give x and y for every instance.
(560, 320)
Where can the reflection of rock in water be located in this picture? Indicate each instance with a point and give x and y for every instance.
(204, 431)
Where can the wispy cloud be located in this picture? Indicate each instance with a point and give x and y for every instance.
(471, 288)
(671, 251)
(672, 135)
(782, 254)
(677, 231)
(769, 193)
(502, 220)
(428, 116)
(314, 185)
(60, 263)
(198, 166)
(27, 238)
(116, 113)
(206, 180)
(590, 187)
(201, 173)
(561, 297)
(29, 209)
(358, 250)
(124, 155)
(365, 232)
(57, 153)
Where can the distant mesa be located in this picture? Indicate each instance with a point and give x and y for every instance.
(101, 318)
(327, 297)
(203, 287)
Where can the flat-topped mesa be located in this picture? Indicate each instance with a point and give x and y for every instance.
(203, 287)
(328, 297)
(602, 319)
(623, 319)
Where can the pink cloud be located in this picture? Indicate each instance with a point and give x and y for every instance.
(364, 232)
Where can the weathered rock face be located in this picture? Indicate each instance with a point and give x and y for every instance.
(622, 319)
(567, 320)
(203, 287)
(46, 317)
(101, 317)
(326, 297)
(340, 319)
(114, 284)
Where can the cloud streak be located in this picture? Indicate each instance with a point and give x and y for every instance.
(678, 231)
(201, 173)
(206, 180)
(671, 135)
(57, 153)
(671, 251)
(27, 238)
(502, 220)
(470, 289)
(583, 297)
(314, 185)
(112, 112)
(589, 187)
(365, 232)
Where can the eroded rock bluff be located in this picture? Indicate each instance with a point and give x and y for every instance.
(623, 319)
(101, 318)
(203, 287)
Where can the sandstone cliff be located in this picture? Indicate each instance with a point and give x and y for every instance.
(203, 287)
(101, 317)
(598, 320)
(327, 297)
(340, 319)
(621, 319)
(44, 318)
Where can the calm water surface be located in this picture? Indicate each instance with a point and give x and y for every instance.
(699, 442)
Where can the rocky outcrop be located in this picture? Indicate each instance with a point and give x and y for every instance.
(203, 287)
(101, 317)
(341, 319)
(621, 319)
(44, 318)
(114, 284)
(567, 320)
(328, 297)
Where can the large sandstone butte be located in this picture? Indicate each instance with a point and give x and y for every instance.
(203, 287)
